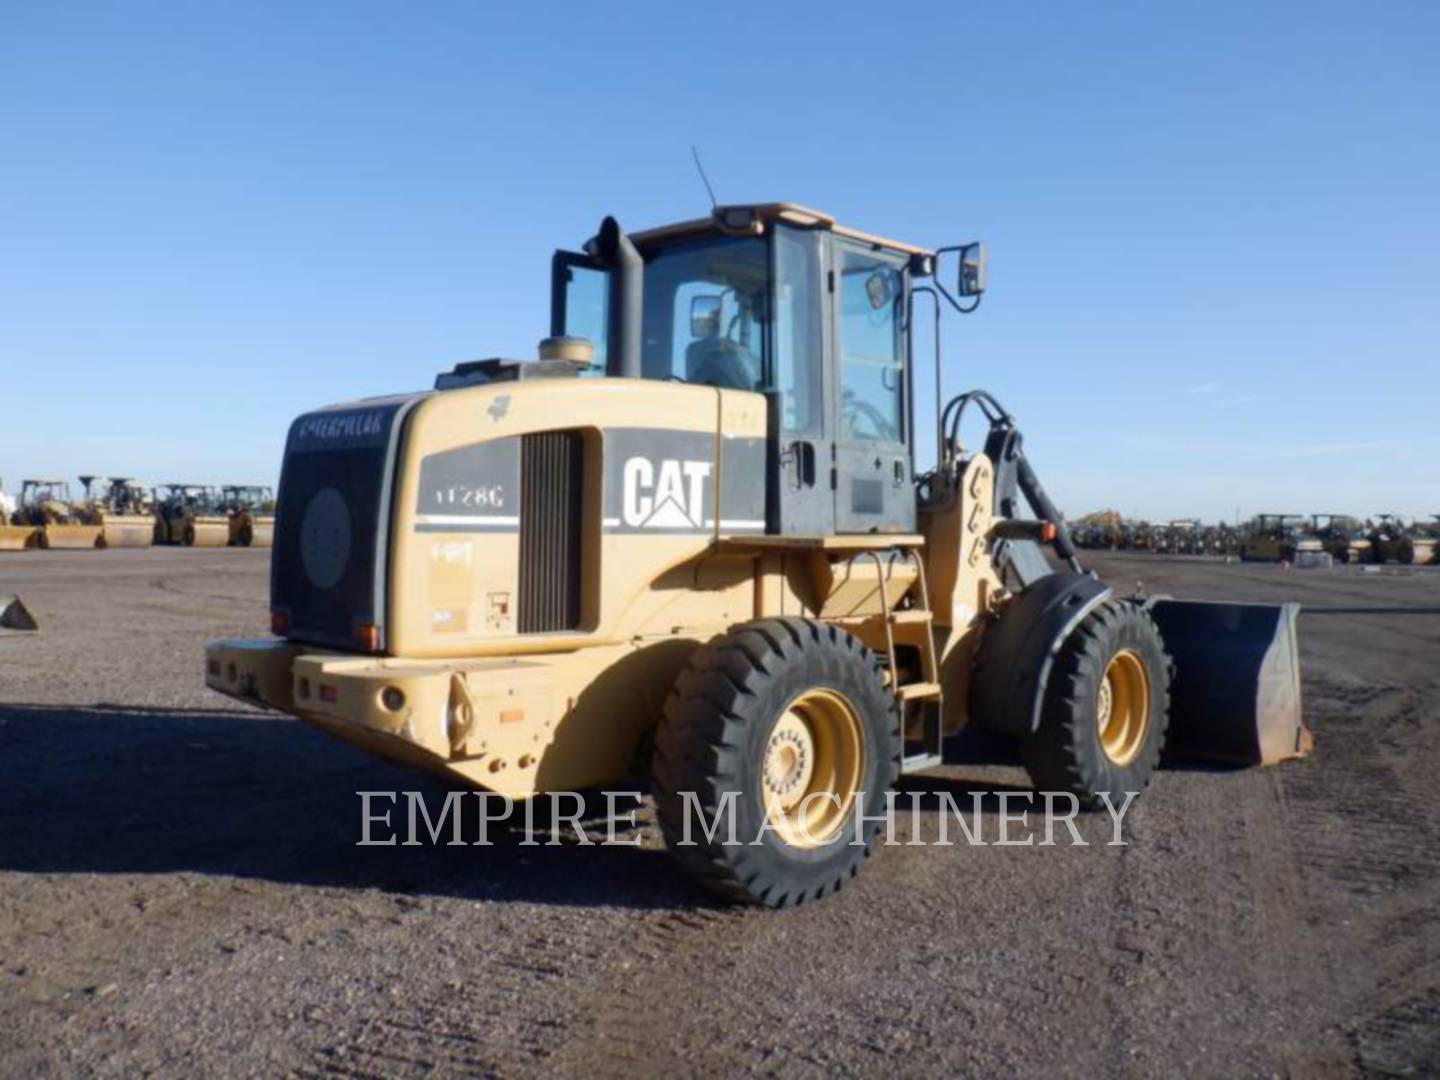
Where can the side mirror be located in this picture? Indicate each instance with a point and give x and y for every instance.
(879, 289)
(972, 270)
(705, 316)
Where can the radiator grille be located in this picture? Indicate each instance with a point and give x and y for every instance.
(552, 474)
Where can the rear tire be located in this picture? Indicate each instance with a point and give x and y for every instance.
(189, 535)
(1106, 708)
(776, 718)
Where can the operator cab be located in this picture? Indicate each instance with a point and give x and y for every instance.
(780, 300)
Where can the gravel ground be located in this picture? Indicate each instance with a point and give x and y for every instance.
(180, 891)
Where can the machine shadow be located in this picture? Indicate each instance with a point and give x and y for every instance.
(980, 748)
(120, 789)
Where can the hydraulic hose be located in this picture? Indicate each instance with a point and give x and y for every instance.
(1005, 446)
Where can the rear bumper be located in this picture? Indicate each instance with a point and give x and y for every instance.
(489, 721)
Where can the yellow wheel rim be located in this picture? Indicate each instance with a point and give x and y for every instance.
(811, 768)
(1122, 707)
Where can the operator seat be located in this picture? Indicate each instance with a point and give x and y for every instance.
(718, 361)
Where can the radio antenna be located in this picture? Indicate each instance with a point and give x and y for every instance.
(695, 153)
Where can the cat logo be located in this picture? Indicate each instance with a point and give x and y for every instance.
(672, 497)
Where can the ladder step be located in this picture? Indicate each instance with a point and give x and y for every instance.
(915, 762)
(912, 691)
(910, 617)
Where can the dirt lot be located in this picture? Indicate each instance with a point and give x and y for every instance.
(180, 890)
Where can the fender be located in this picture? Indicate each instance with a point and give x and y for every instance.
(1017, 650)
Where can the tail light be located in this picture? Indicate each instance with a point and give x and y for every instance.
(367, 638)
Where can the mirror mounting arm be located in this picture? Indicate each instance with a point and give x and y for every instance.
(954, 301)
(963, 309)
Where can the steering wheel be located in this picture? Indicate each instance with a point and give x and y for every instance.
(718, 361)
(854, 413)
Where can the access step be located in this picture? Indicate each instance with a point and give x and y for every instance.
(919, 690)
(910, 617)
(915, 762)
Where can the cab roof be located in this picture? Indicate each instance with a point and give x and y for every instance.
(752, 219)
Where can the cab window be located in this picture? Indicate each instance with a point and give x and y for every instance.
(706, 312)
(585, 296)
(871, 351)
(798, 341)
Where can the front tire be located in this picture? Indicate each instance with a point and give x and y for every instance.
(786, 728)
(1106, 708)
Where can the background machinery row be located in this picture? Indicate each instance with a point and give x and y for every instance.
(1270, 537)
(118, 512)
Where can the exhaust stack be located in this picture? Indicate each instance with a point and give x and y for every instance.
(627, 273)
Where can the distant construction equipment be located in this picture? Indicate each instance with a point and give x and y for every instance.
(117, 511)
(252, 514)
(1270, 537)
(191, 514)
(56, 522)
(122, 510)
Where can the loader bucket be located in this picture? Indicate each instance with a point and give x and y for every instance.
(14, 615)
(17, 537)
(131, 531)
(69, 536)
(1235, 696)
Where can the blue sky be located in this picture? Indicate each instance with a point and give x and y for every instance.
(1212, 228)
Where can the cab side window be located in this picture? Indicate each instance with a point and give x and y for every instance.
(798, 312)
(871, 351)
(586, 311)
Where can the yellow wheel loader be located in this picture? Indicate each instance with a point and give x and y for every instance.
(122, 511)
(192, 515)
(691, 540)
(46, 508)
(252, 514)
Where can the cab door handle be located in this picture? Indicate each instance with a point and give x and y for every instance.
(802, 463)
